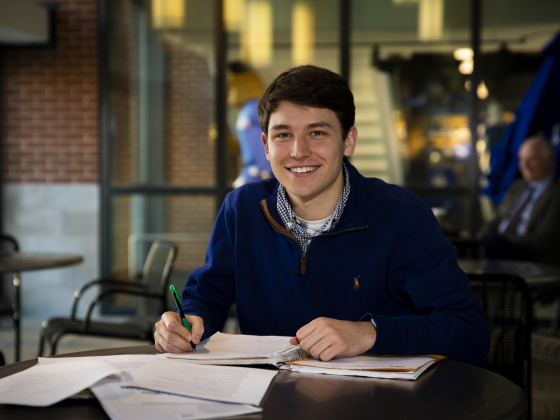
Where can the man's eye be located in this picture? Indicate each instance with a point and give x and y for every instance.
(282, 135)
(317, 133)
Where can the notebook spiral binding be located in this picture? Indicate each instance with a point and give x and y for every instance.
(289, 355)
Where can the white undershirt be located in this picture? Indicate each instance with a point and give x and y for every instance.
(314, 225)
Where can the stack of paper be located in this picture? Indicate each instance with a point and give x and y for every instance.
(140, 386)
(229, 349)
(392, 367)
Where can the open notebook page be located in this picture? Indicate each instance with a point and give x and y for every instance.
(235, 346)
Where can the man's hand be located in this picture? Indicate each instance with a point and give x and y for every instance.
(172, 337)
(325, 338)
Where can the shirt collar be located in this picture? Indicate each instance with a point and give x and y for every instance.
(290, 219)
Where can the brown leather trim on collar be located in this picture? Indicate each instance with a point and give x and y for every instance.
(274, 223)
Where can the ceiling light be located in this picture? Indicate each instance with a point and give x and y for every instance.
(463, 54)
(168, 14)
(482, 91)
(259, 33)
(466, 67)
(430, 20)
(303, 33)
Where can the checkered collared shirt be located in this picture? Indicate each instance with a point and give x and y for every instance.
(298, 227)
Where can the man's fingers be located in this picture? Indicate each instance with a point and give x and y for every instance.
(171, 343)
(171, 335)
(294, 341)
(172, 322)
(197, 327)
(320, 350)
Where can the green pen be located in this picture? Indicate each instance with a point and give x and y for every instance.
(184, 321)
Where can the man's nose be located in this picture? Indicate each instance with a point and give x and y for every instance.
(300, 148)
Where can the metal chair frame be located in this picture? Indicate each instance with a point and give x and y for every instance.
(508, 309)
(146, 313)
(14, 312)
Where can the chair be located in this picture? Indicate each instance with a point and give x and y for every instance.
(507, 305)
(152, 288)
(9, 244)
(467, 248)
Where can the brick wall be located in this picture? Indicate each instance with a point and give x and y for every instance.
(50, 102)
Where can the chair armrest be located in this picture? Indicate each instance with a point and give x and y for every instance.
(103, 295)
(11, 240)
(78, 293)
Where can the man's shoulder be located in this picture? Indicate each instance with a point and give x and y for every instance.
(393, 195)
(252, 192)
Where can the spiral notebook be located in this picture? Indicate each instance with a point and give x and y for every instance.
(239, 349)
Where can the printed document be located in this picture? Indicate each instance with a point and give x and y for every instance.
(126, 362)
(220, 383)
(121, 402)
(41, 386)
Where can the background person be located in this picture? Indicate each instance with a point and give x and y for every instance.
(527, 224)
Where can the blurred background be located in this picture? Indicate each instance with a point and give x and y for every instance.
(127, 121)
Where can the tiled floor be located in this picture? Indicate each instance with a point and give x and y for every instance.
(545, 375)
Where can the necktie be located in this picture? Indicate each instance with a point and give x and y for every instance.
(515, 219)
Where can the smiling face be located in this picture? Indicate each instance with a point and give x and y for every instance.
(305, 149)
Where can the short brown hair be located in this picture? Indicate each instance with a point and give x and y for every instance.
(313, 87)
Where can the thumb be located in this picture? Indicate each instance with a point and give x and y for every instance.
(197, 327)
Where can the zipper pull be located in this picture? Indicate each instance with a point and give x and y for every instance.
(302, 265)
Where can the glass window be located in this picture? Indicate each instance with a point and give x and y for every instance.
(266, 37)
(161, 93)
(138, 220)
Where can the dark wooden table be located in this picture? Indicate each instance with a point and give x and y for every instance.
(15, 262)
(448, 390)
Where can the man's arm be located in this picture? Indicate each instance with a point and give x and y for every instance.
(445, 317)
(210, 290)
(206, 298)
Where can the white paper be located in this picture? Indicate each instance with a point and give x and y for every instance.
(220, 383)
(235, 346)
(126, 362)
(369, 362)
(41, 386)
(121, 402)
(346, 368)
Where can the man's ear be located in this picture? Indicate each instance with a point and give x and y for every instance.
(350, 141)
(265, 144)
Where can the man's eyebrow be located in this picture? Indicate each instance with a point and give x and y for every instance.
(279, 127)
(313, 125)
(320, 124)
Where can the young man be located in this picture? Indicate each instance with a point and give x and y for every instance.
(342, 263)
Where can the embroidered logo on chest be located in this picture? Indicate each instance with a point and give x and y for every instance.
(356, 283)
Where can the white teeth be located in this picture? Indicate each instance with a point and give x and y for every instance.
(304, 169)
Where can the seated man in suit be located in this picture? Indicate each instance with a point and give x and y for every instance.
(527, 225)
